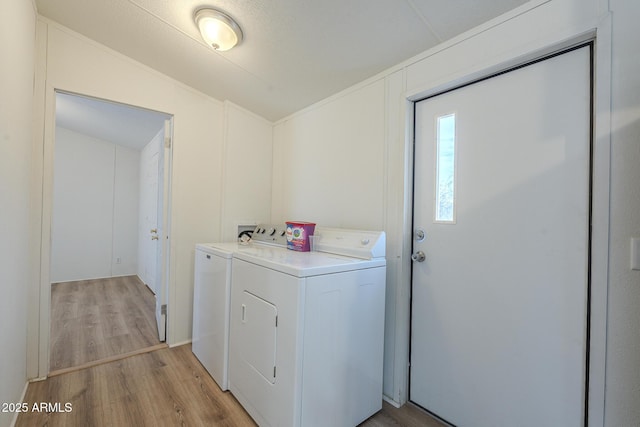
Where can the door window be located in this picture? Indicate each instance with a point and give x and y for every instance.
(445, 168)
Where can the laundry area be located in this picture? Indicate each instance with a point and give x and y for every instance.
(347, 214)
(290, 329)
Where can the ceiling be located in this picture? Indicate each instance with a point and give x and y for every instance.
(120, 124)
(294, 52)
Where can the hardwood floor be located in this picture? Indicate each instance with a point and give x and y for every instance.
(92, 320)
(166, 387)
(408, 415)
(108, 369)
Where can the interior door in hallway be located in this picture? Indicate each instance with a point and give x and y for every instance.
(163, 248)
(154, 205)
(149, 215)
(501, 215)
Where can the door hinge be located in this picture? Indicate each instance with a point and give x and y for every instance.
(274, 372)
(163, 309)
(276, 321)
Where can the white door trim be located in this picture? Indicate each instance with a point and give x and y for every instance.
(42, 259)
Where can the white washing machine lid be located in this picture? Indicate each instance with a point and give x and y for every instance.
(224, 250)
(227, 249)
(303, 264)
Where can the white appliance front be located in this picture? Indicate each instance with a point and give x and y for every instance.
(212, 294)
(325, 314)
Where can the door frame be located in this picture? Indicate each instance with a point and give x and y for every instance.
(43, 257)
(600, 189)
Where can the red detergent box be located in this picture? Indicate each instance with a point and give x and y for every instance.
(298, 235)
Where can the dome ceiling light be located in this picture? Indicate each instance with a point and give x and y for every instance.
(218, 29)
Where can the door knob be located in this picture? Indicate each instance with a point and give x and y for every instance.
(154, 237)
(418, 256)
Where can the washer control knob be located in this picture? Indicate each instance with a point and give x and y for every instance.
(272, 231)
(365, 241)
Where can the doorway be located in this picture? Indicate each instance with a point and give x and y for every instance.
(500, 287)
(98, 201)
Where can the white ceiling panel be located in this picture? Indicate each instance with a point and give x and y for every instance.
(294, 52)
(450, 18)
(120, 124)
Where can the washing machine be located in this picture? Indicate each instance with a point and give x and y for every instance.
(212, 296)
(307, 330)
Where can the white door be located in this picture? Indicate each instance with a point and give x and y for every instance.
(154, 205)
(163, 247)
(501, 214)
(149, 216)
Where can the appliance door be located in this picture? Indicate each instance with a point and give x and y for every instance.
(264, 355)
(211, 314)
(257, 334)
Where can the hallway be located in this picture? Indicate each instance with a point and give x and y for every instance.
(92, 320)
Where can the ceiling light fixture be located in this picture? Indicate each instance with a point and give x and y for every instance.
(218, 29)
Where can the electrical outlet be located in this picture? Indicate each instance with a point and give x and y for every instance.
(118, 260)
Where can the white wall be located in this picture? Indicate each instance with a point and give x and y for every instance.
(124, 253)
(308, 138)
(248, 151)
(95, 208)
(17, 30)
(70, 62)
(623, 339)
(329, 162)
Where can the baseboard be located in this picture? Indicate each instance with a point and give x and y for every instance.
(178, 344)
(149, 289)
(97, 278)
(390, 401)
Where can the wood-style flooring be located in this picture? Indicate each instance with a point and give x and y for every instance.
(108, 369)
(408, 415)
(166, 387)
(93, 320)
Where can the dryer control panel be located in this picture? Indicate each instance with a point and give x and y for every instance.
(273, 234)
(353, 243)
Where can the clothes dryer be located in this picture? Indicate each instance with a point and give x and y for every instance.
(307, 330)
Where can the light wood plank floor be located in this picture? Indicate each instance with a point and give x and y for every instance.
(167, 387)
(408, 415)
(97, 319)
